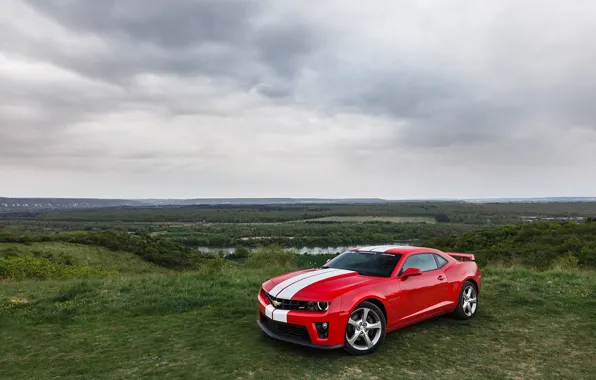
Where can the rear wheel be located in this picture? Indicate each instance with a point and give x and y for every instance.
(468, 301)
(365, 330)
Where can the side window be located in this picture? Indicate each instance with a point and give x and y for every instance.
(441, 262)
(424, 262)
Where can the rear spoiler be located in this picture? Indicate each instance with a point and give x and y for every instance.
(461, 256)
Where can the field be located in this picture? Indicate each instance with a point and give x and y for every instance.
(530, 325)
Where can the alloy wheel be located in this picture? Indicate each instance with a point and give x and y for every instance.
(470, 301)
(364, 329)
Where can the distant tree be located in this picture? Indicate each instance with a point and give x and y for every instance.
(442, 218)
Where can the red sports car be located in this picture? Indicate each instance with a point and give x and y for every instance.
(354, 299)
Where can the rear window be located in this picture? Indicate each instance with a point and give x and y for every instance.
(441, 262)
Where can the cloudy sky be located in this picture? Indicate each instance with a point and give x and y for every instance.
(334, 98)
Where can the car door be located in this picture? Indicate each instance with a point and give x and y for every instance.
(423, 295)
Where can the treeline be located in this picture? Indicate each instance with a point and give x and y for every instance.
(307, 234)
(163, 252)
(458, 212)
(539, 245)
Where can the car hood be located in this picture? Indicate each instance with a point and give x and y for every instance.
(316, 284)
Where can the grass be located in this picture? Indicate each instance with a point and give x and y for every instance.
(80, 255)
(201, 325)
(360, 219)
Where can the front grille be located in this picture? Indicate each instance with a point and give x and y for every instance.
(287, 304)
(285, 329)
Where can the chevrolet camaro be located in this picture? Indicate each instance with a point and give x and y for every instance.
(357, 297)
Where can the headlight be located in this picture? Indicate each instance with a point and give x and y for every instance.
(317, 306)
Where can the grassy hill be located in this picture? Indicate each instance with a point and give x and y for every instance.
(51, 260)
(79, 254)
(201, 325)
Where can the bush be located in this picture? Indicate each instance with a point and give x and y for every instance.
(272, 256)
(568, 261)
(242, 252)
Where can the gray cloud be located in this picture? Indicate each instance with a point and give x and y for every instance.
(265, 98)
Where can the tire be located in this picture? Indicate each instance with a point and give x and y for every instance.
(467, 305)
(358, 329)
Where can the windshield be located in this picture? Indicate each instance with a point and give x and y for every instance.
(366, 263)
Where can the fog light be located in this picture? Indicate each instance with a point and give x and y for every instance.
(322, 329)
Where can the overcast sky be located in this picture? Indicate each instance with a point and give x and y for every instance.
(334, 98)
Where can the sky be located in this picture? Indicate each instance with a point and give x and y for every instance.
(395, 99)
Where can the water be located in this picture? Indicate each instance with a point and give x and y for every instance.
(303, 250)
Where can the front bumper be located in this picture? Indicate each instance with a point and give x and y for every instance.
(289, 339)
(298, 327)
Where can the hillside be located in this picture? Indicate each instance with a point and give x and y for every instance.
(46, 260)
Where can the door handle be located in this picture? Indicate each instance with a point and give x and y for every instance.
(440, 278)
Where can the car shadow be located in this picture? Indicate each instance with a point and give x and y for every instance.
(395, 337)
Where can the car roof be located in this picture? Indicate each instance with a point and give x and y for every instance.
(396, 249)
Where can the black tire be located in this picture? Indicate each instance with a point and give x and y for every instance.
(465, 310)
(375, 315)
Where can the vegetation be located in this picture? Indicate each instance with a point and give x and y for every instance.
(362, 219)
(56, 260)
(253, 235)
(456, 212)
(306, 234)
(538, 245)
(119, 295)
(163, 252)
(531, 325)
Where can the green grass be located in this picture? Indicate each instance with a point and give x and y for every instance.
(80, 255)
(201, 325)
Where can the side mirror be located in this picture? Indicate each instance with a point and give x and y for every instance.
(410, 272)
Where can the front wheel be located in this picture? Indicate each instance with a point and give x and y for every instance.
(468, 301)
(365, 330)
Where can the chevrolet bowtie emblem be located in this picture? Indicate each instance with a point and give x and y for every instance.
(276, 303)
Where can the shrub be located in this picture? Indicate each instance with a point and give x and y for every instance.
(242, 252)
(567, 261)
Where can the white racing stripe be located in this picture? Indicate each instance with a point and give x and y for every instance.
(291, 290)
(281, 316)
(284, 284)
(269, 311)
